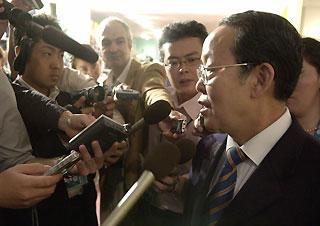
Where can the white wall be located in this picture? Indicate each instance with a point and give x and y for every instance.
(310, 20)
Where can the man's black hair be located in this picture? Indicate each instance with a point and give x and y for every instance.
(178, 30)
(268, 38)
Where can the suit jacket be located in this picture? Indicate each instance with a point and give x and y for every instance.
(150, 80)
(283, 190)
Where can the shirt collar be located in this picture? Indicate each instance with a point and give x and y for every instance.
(189, 106)
(53, 92)
(124, 74)
(259, 146)
(121, 79)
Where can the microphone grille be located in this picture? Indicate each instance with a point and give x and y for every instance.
(156, 112)
(187, 149)
(162, 159)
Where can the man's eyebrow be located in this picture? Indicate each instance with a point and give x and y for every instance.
(192, 53)
(51, 48)
(187, 55)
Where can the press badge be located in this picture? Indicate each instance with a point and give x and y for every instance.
(75, 185)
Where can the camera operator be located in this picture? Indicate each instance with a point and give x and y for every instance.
(21, 186)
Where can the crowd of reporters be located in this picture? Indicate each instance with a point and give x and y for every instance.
(47, 103)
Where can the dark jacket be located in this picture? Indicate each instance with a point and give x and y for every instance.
(283, 190)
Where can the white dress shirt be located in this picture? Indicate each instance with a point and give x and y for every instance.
(257, 148)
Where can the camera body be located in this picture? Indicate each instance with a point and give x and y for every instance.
(97, 94)
(93, 95)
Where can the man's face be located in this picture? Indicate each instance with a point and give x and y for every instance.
(115, 46)
(44, 66)
(225, 97)
(306, 93)
(91, 69)
(186, 54)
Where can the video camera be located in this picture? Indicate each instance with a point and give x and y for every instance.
(97, 94)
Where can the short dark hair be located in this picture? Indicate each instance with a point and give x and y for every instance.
(41, 19)
(178, 30)
(311, 52)
(268, 38)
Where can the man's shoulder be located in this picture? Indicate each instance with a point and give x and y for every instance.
(143, 66)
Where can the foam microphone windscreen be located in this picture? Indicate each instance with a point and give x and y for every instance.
(162, 159)
(156, 112)
(57, 38)
(187, 149)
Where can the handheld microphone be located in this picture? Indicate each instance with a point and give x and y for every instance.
(153, 114)
(57, 38)
(158, 164)
(187, 148)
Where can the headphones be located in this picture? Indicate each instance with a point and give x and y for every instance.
(20, 61)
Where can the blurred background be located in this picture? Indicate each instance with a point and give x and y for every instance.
(80, 18)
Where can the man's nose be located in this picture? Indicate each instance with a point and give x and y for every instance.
(183, 67)
(200, 87)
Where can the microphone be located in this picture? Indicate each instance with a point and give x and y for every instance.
(153, 114)
(57, 38)
(23, 20)
(187, 148)
(158, 164)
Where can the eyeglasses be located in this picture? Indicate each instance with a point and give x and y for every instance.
(206, 73)
(175, 63)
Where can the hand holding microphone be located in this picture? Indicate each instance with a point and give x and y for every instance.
(173, 181)
(159, 162)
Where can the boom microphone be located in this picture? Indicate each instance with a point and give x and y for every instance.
(57, 38)
(153, 114)
(158, 164)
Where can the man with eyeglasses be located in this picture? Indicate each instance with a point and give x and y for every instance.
(266, 171)
(180, 48)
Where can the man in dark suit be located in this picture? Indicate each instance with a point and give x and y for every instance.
(251, 65)
(252, 62)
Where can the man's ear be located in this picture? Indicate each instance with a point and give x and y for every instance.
(16, 50)
(262, 80)
(130, 44)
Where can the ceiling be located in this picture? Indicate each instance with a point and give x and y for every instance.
(149, 25)
(146, 19)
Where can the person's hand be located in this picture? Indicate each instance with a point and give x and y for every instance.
(115, 152)
(166, 125)
(167, 183)
(21, 5)
(88, 164)
(72, 124)
(23, 185)
(80, 102)
(105, 107)
(122, 103)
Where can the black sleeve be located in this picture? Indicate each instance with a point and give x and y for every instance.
(37, 109)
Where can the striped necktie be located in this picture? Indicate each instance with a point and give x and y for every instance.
(222, 193)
